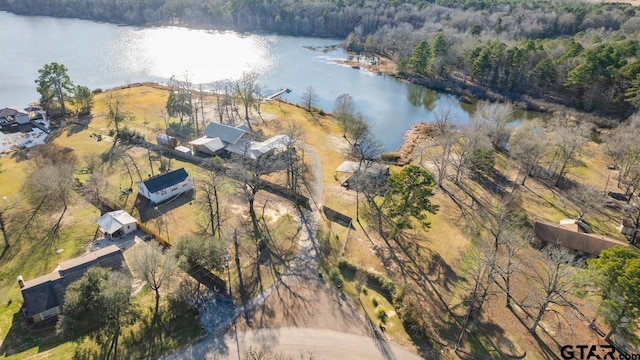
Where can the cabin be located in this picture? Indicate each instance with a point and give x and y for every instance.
(165, 186)
(43, 297)
(575, 236)
(117, 223)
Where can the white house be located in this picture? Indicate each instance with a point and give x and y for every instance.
(117, 223)
(165, 186)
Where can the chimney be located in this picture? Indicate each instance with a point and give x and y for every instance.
(20, 281)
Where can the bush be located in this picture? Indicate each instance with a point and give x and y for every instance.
(345, 265)
(381, 314)
(336, 276)
(97, 91)
(374, 300)
(321, 112)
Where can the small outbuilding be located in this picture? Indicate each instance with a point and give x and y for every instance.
(116, 223)
(165, 186)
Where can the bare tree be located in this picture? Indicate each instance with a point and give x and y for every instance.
(528, 144)
(586, 199)
(495, 117)
(309, 98)
(245, 89)
(157, 267)
(511, 243)
(482, 275)
(471, 142)
(116, 115)
(555, 283)
(624, 148)
(210, 202)
(294, 155)
(221, 88)
(446, 138)
(568, 142)
(250, 173)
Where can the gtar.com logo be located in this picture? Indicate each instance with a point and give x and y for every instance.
(594, 352)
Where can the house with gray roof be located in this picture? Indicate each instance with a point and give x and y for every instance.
(165, 186)
(117, 223)
(43, 297)
(220, 139)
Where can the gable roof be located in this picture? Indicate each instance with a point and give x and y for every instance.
(12, 111)
(115, 220)
(47, 291)
(226, 133)
(212, 145)
(163, 181)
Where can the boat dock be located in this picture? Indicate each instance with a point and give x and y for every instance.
(280, 92)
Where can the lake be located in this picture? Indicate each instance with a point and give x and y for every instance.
(105, 55)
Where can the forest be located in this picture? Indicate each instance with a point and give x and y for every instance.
(583, 55)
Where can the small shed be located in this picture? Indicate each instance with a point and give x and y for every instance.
(166, 141)
(117, 223)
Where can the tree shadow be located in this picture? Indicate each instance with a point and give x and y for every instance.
(149, 211)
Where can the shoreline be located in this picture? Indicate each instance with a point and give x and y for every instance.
(468, 92)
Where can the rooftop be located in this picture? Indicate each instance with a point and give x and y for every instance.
(163, 181)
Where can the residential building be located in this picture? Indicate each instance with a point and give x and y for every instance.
(43, 297)
(165, 186)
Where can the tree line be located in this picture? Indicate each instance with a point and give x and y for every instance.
(579, 54)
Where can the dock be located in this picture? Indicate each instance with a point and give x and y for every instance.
(280, 92)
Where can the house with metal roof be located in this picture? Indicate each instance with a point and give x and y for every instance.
(116, 223)
(217, 137)
(165, 186)
(220, 138)
(43, 297)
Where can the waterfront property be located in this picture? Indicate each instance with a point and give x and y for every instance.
(43, 297)
(165, 186)
(224, 139)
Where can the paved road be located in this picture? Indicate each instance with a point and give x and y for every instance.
(292, 343)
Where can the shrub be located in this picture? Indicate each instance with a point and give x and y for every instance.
(335, 276)
(374, 300)
(381, 314)
(97, 91)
